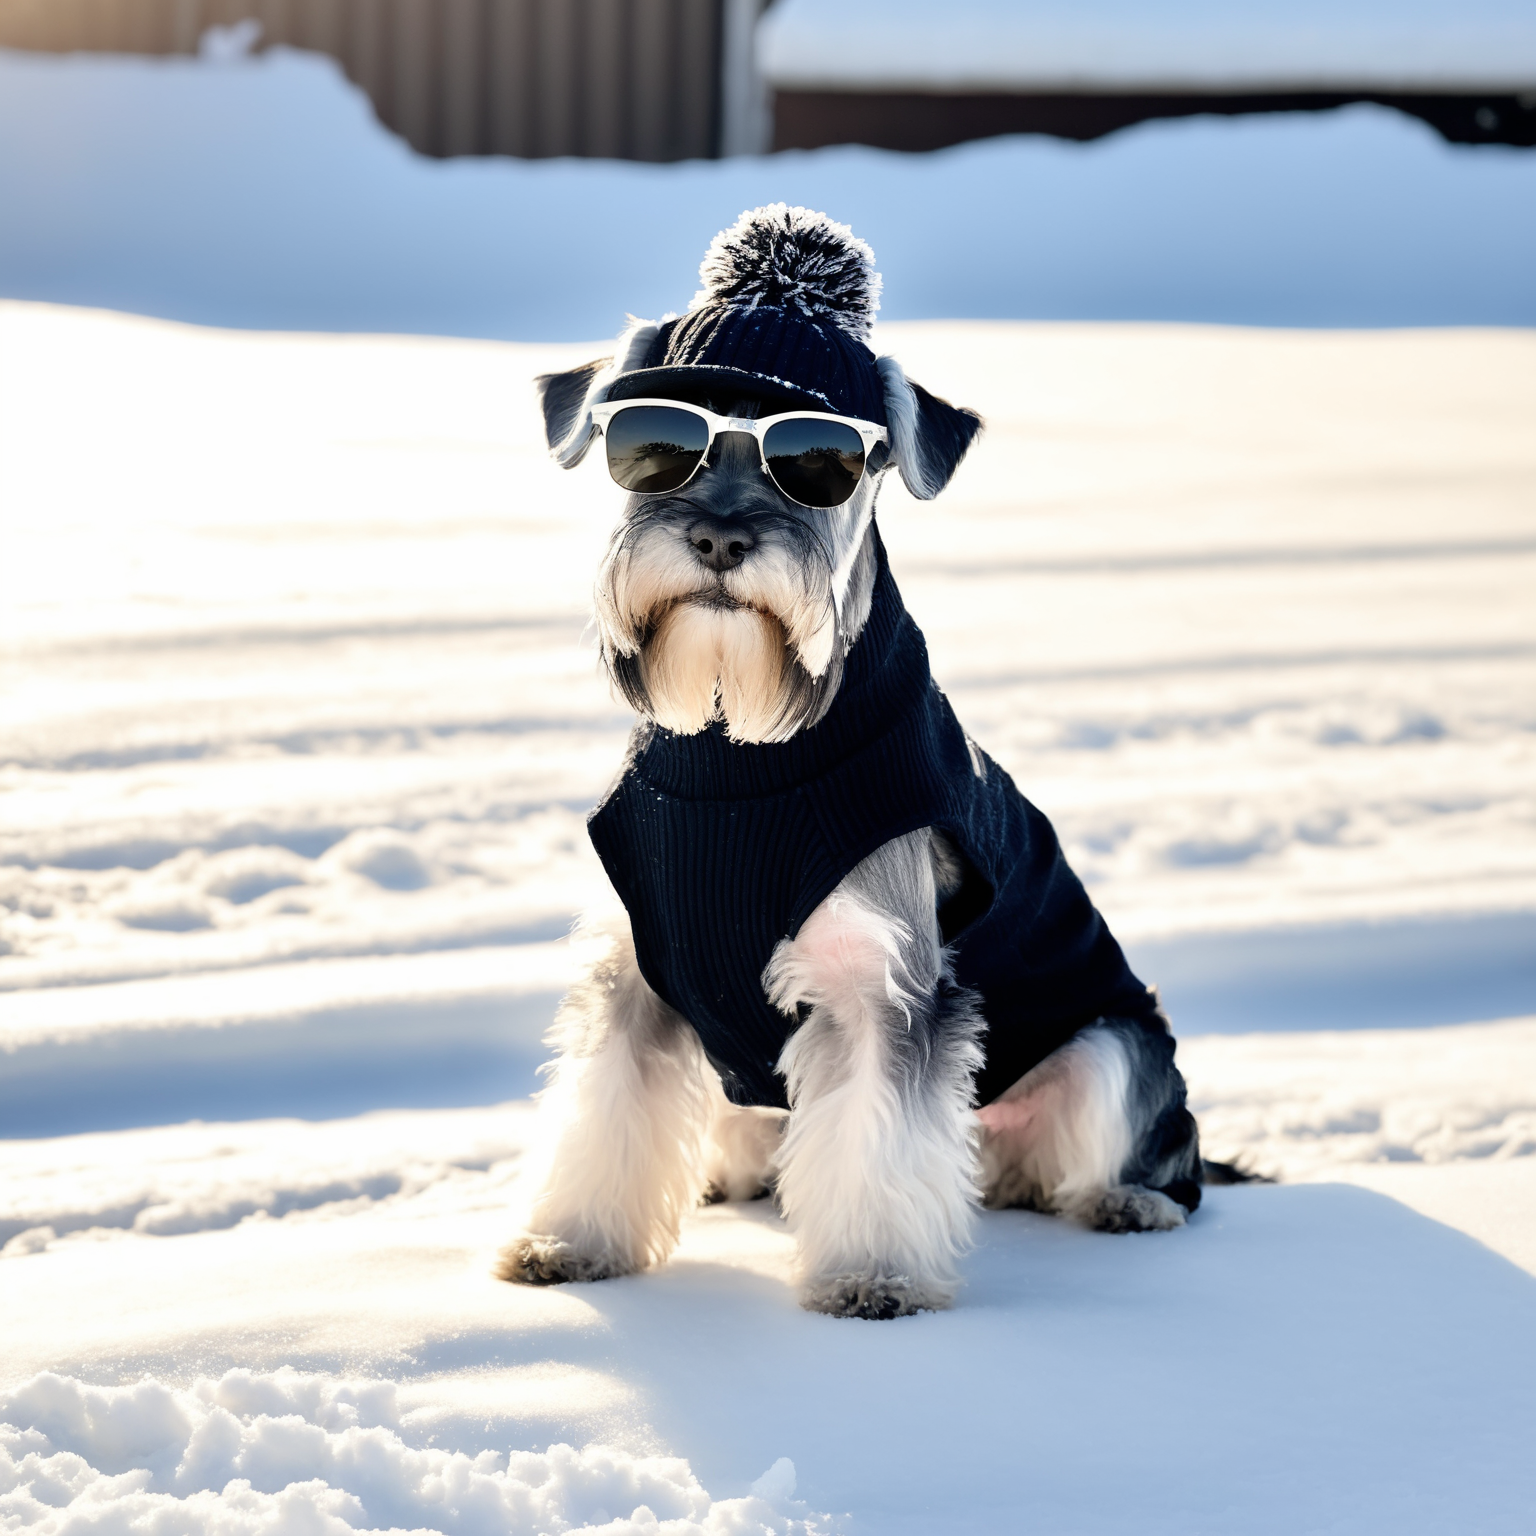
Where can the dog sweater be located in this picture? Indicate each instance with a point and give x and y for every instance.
(721, 849)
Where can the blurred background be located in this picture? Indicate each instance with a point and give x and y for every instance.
(529, 169)
(668, 80)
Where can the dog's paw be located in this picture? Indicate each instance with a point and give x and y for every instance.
(548, 1261)
(871, 1296)
(1131, 1208)
(742, 1190)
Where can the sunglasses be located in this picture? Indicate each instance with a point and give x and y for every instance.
(656, 446)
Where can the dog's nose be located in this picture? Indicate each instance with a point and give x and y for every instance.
(722, 546)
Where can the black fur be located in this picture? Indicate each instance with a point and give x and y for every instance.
(1231, 1173)
(562, 396)
(1165, 1154)
(945, 434)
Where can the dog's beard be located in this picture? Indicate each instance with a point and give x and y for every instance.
(757, 646)
(704, 661)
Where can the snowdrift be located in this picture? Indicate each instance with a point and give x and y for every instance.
(263, 193)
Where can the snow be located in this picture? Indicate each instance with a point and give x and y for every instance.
(1299, 1106)
(283, 1451)
(1170, 45)
(314, 1037)
(1314, 1101)
(300, 725)
(263, 193)
(300, 728)
(1087, 1383)
(169, 1179)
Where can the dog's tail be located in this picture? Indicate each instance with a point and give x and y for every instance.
(1230, 1173)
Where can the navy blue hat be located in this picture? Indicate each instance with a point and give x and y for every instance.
(784, 315)
(784, 312)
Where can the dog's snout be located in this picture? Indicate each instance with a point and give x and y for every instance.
(721, 545)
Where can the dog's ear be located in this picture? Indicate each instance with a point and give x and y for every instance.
(567, 402)
(567, 398)
(929, 436)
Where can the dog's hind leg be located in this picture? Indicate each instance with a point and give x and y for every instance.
(622, 1127)
(741, 1146)
(1098, 1132)
(877, 1168)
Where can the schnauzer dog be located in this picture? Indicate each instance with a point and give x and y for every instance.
(843, 927)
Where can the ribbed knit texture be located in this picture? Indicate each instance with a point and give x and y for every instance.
(719, 850)
(815, 358)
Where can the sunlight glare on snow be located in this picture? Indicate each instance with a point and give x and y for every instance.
(300, 731)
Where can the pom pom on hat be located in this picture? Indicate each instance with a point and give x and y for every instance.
(784, 314)
(791, 258)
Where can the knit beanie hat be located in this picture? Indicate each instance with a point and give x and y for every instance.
(784, 312)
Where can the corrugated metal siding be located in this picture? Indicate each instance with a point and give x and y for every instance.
(628, 79)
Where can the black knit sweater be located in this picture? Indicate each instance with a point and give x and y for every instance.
(719, 850)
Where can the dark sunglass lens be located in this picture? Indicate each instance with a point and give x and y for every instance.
(813, 461)
(654, 448)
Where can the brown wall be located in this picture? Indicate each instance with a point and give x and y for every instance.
(915, 121)
(630, 79)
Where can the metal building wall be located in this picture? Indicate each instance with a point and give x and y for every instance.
(630, 79)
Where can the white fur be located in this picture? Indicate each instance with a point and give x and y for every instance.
(773, 579)
(717, 645)
(742, 1146)
(623, 1121)
(640, 577)
(645, 575)
(705, 661)
(876, 1170)
(1060, 1137)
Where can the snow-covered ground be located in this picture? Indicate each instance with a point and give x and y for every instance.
(299, 731)
(298, 728)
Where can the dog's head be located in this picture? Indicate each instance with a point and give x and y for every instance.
(726, 599)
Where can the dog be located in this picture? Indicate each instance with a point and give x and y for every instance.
(850, 966)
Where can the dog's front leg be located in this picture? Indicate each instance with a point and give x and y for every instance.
(622, 1126)
(876, 1171)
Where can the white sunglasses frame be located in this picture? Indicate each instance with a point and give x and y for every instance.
(754, 426)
